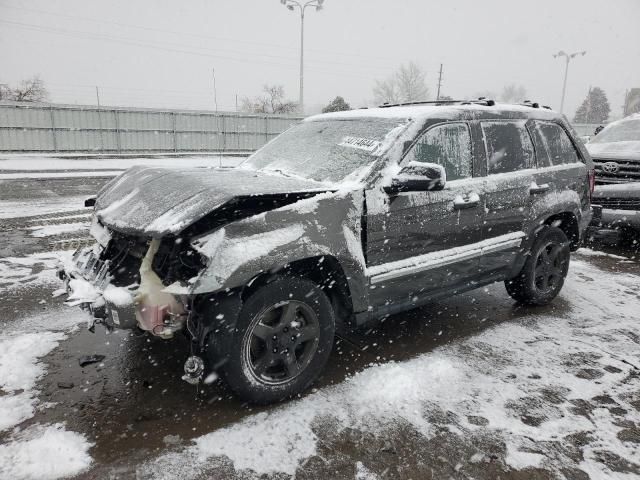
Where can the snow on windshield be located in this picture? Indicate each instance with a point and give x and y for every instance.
(624, 131)
(325, 150)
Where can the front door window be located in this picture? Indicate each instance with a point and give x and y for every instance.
(448, 145)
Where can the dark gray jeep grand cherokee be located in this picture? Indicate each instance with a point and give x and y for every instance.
(343, 219)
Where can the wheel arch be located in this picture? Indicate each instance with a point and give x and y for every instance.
(568, 223)
(326, 272)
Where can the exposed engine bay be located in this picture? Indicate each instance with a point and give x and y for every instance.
(121, 281)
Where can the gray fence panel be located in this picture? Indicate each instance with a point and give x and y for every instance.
(73, 128)
(15, 139)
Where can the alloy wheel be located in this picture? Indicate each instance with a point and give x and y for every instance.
(550, 267)
(281, 342)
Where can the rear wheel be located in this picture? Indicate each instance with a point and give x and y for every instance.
(543, 274)
(282, 340)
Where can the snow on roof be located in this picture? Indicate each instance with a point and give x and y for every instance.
(633, 116)
(424, 111)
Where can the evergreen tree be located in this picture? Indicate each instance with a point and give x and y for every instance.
(594, 109)
(336, 105)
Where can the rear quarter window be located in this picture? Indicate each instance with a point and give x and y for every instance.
(509, 147)
(553, 145)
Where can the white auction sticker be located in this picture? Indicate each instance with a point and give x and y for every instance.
(366, 144)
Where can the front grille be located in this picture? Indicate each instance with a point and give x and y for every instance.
(618, 203)
(627, 171)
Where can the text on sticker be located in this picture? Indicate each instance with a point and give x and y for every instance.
(360, 143)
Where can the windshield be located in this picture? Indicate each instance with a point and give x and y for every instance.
(325, 150)
(625, 131)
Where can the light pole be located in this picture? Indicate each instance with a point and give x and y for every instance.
(292, 5)
(568, 58)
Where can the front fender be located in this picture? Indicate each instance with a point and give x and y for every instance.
(327, 224)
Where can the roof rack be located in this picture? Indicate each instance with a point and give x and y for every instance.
(529, 103)
(480, 101)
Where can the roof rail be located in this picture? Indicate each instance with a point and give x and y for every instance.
(479, 101)
(529, 103)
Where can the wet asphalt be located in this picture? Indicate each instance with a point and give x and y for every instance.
(133, 404)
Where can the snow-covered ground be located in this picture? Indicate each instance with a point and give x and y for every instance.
(38, 451)
(43, 163)
(40, 206)
(526, 382)
(558, 389)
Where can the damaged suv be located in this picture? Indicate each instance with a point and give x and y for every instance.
(343, 219)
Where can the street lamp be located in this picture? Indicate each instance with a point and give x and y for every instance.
(292, 5)
(568, 58)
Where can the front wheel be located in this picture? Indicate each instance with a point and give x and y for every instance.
(282, 340)
(543, 274)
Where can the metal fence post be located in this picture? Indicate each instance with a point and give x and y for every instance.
(53, 129)
(224, 133)
(100, 129)
(175, 135)
(118, 140)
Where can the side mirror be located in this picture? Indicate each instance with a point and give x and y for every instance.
(418, 177)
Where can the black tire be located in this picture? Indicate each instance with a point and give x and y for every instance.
(543, 274)
(629, 238)
(283, 338)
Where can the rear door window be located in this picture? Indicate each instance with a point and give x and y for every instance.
(448, 145)
(559, 148)
(509, 146)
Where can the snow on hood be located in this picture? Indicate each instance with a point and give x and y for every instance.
(629, 150)
(159, 201)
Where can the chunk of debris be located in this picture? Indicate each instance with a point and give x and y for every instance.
(65, 385)
(89, 359)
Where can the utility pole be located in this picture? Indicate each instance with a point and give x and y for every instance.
(292, 5)
(439, 83)
(215, 94)
(568, 58)
(626, 102)
(98, 95)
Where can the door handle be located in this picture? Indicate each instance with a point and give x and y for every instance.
(535, 188)
(472, 200)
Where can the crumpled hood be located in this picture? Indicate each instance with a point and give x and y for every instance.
(159, 201)
(615, 150)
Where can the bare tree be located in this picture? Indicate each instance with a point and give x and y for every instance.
(385, 91)
(407, 84)
(273, 101)
(30, 90)
(412, 85)
(513, 93)
(5, 92)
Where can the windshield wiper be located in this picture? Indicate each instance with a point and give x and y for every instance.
(278, 170)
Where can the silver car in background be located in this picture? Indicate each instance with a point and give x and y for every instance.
(616, 157)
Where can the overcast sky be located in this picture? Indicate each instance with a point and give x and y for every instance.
(161, 52)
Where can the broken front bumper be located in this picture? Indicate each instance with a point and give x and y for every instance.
(88, 284)
(85, 278)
